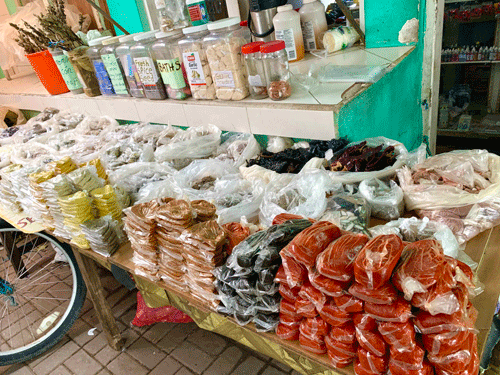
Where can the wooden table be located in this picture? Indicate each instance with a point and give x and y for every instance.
(484, 249)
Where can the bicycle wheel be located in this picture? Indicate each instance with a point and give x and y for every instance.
(40, 295)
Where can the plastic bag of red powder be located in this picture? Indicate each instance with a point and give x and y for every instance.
(290, 294)
(372, 363)
(359, 369)
(364, 322)
(314, 346)
(411, 360)
(345, 334)
(432, 324)
(339, 361)
(340, 354)
(425, 369)
(348, 303)
(236, 233)
(398, 312)
(371, 341)
(420, 267)
(327, 286)
(306, 246)
(458, 362)
(288, 307)
(290, 319)
(286, 332)
(146, 316)
(305, 308)
(385, 295)
(376, 260)
(295, 273)
(280, 277)
(337, 261)
(333, 315)
(281, 218)
(307, 291)
(445, 343)
(314, 327)
(400, 336)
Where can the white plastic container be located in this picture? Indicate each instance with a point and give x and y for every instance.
(287, 28)
(313, 23)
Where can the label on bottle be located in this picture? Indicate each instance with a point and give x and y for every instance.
(171, 73)
(308, 34)
(115, 73)
(255, 80)
(68, 72)
(198, 13)
(146, 70)
(286, 35)
(105, 84)
(194, 69)
(223, 78)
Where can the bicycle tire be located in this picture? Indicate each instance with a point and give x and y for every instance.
(72, 313)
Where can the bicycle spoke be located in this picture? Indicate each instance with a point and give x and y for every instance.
(27, 323)
(31, 282)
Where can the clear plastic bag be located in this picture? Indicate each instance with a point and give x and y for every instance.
(238, 148)
(334, 315)
(400, 336)
(398, 312)
(193, 143)
(386, 202)
(371, 341)
(304, 195)
(349, 303)
(385, 295)
(371, 362)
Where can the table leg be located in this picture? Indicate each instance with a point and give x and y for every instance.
(102, 308)
(14, 254)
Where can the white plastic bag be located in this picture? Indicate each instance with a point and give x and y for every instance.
(386, 202)
(238, 148)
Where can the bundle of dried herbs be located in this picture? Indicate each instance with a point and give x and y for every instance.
(363, 158)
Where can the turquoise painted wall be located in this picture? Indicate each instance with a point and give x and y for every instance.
(129, 14)
(11, 6)
(392, 106)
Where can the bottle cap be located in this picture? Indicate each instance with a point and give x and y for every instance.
(244, 23)
(165, 34)
(223, 23)
(97, 41)
(251, 47)
(127, 38)
(194, 29)
(274, 46)
(146, 35)
(285, 8)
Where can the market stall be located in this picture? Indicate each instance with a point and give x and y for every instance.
(274, 248)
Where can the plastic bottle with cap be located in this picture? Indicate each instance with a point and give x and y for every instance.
(146, 66)
(113, 67)
(313, 23)
(167, 56)
(127, 63)
(101, 73)
(287, 28)
(195, 62)
(255, 69)
(275, 61)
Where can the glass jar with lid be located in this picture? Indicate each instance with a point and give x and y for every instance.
(112, 66)
(67, 70)
(167, 56)
(94, 55)
(122, 52)
(275, 60)
(172, 14)
(255, 69)
(223, 48)
(146, 67)
(195, 62)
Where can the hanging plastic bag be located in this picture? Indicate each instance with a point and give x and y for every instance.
(386, 201)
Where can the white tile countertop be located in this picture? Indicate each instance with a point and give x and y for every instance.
(308, 113)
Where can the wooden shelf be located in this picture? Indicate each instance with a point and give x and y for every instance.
(470, 62)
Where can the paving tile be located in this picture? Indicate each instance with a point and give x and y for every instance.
(106, 355)
(158, 331)
(98, 342)
(60, 355)
(251, 365)
(128, 317)
(208, 341)
(147, 354)
(79, 332)
(126, 365)
(125, 304)
(225, 363)
(104, 372)
(183, 371)
(130, 336)
(192, 357)
(61, 370)
(82, 363)
(117, 296)
(281, 366)
(271, 370)
(177, 335)
(168, 366)
(25, 370)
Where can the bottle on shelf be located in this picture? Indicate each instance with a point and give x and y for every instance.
(498, 54)
(467, 54)
(461, 55)
(474, 54)
(287, 27)
(480, 54)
